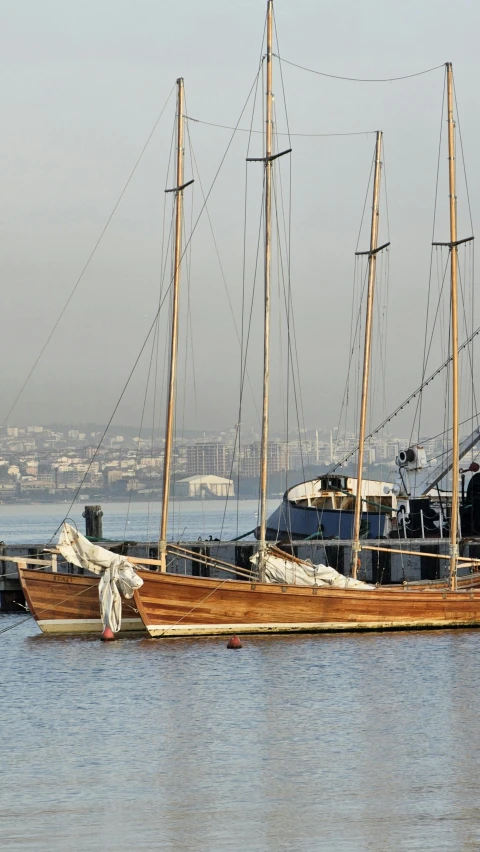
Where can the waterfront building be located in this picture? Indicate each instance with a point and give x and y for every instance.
(204, 486)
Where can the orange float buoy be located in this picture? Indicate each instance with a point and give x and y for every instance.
(108, 635)
(234, 643)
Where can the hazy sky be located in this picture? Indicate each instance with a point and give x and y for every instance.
(81, 87)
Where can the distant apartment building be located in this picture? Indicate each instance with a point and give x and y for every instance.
(277, 458)
(207, 458)
(69, 477)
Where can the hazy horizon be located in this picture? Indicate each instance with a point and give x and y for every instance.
(82, 88)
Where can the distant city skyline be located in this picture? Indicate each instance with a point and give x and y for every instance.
(38, 463)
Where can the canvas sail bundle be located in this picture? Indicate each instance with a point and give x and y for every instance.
(117, 574)
(294, 572)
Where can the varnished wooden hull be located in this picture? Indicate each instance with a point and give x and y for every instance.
(173, 605)
(68, 603)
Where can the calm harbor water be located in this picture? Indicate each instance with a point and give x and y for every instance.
(189, 519)
(343, 743)
(353, 743)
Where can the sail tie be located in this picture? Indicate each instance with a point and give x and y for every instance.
(117, 575)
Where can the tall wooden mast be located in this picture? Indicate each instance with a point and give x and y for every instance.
(167, 463)
(372, 267)
(454, 331)
(267, 271)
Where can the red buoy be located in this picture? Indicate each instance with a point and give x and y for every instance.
(108, 635)
(234, 642)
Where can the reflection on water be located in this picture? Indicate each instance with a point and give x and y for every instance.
(344, 743)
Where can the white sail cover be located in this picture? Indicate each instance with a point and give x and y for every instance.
(295, 573)
(115, 570)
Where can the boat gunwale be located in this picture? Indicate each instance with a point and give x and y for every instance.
(231, 584)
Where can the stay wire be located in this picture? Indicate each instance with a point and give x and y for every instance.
(290, 328)
(405, 402)
(471, 354)
(16, 624)
(474, 416)
(217, 252)
(462, 294)
(354, 339)
(289, 133)
(463, 159)
(290, 316)
(361, 79)
(155, 341)
(237, 448)
(437, 318)
(87, 264)
(288, 296)
(108, 424)
(243, 363)
(418, 411)
(247, 343)
(144, 404)
(152, 326)
(365, 202)
(239, 335)
(354, 313)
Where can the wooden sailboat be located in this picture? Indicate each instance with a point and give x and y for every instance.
(191, 606)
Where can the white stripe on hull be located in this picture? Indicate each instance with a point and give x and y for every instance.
(86, 625)
(170, 630)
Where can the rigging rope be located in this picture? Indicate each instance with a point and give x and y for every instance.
(87, 264)
(152, 326)
(360, 79)
(156, 338)
(288, 133)
(406, 402)
(418, 411)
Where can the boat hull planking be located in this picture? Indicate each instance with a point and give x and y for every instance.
(68, 603)
(172, 605)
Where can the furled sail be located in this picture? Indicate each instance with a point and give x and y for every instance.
(117, 574)
(296, 572)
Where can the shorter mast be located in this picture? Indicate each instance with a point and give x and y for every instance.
(372, 266)
(454, 326)
(167, 461)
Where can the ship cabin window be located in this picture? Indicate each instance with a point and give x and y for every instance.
(326, 502)
(379, 503)
(385, 501)
(347, 503)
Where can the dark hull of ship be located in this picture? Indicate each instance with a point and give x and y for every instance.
(290, 521)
